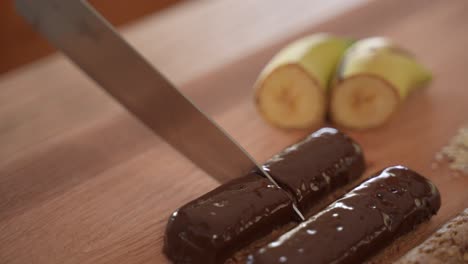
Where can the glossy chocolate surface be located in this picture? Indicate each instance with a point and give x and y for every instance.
(326, 160)
(212, 227)
(360, 223)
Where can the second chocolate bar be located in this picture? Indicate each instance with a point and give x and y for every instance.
(359, 224)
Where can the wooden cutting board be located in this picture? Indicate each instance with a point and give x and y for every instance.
(81, 181)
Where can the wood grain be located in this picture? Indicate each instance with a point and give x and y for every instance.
(81, 181)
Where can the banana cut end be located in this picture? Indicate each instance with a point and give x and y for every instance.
(363, 101)
(289, 97)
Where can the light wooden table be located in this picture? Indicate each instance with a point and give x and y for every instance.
(81, 181)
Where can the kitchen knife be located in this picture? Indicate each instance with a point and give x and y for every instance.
(91, 42)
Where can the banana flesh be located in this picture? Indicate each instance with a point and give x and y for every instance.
(373, 78)
(291, 92)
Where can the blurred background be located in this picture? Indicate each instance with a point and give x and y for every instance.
(20, 45)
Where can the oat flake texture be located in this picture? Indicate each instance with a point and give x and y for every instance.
(456, 152)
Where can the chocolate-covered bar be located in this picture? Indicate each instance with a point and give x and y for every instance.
(326, 160)
(449, 245)
(210, 228)
(237, 214)
(360, 223)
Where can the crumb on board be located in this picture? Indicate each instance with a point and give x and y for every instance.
(456, 152)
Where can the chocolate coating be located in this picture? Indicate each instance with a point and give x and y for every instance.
(324, 161)
(360, 223)
(212, 227)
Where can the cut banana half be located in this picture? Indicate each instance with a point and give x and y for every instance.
(291, 98)
(291, 92)
(363, 101)
(373, 78)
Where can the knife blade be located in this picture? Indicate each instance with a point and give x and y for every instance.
(88, 40)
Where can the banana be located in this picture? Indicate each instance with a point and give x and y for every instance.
(373, 78)
(291, 90)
